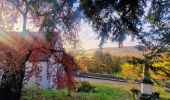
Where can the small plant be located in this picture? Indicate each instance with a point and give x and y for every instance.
(86, 87)
(134, 90)
(136, 93)
(157, 94)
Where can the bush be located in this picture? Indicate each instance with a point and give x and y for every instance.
(136, 93)
(86, 87)
(134, 90)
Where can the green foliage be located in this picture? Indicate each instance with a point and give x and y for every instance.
(129, 70)
(83, 63)
(161, 70)
(128, 67)
(159, 67)
(102, 92)
(136, 61)
(106, 63)
(164, 94)
(101, 62)
(86, 87)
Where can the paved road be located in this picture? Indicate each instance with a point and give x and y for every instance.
(114, 83)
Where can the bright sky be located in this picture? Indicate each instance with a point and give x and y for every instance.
(89, 38)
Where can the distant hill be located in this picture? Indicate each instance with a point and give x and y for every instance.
(116, 51)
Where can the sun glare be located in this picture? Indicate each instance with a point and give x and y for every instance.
(14, 39)
(6, 39)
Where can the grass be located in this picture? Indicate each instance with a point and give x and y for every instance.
(103, 92)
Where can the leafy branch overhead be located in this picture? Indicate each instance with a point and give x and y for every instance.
(147, 21)
(116, 19)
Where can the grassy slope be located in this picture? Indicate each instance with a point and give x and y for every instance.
(102, 93)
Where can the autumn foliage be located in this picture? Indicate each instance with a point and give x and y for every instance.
(61, 67)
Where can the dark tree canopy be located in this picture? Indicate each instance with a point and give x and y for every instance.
(145, 20)
(116, 19)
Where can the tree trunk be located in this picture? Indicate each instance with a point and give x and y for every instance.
(24, 26)
(146, 73)
(24, 17)
(11, 84)
(11, 87)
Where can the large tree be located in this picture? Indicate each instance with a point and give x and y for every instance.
(52, 18)
(14, 54)
(145, 20)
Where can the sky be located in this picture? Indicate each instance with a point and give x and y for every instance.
(89, 38)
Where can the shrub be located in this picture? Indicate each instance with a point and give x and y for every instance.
(134, 90)
(86, 87)
(136, 93)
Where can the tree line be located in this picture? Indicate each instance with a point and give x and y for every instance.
(105, 63)
(100, 62)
